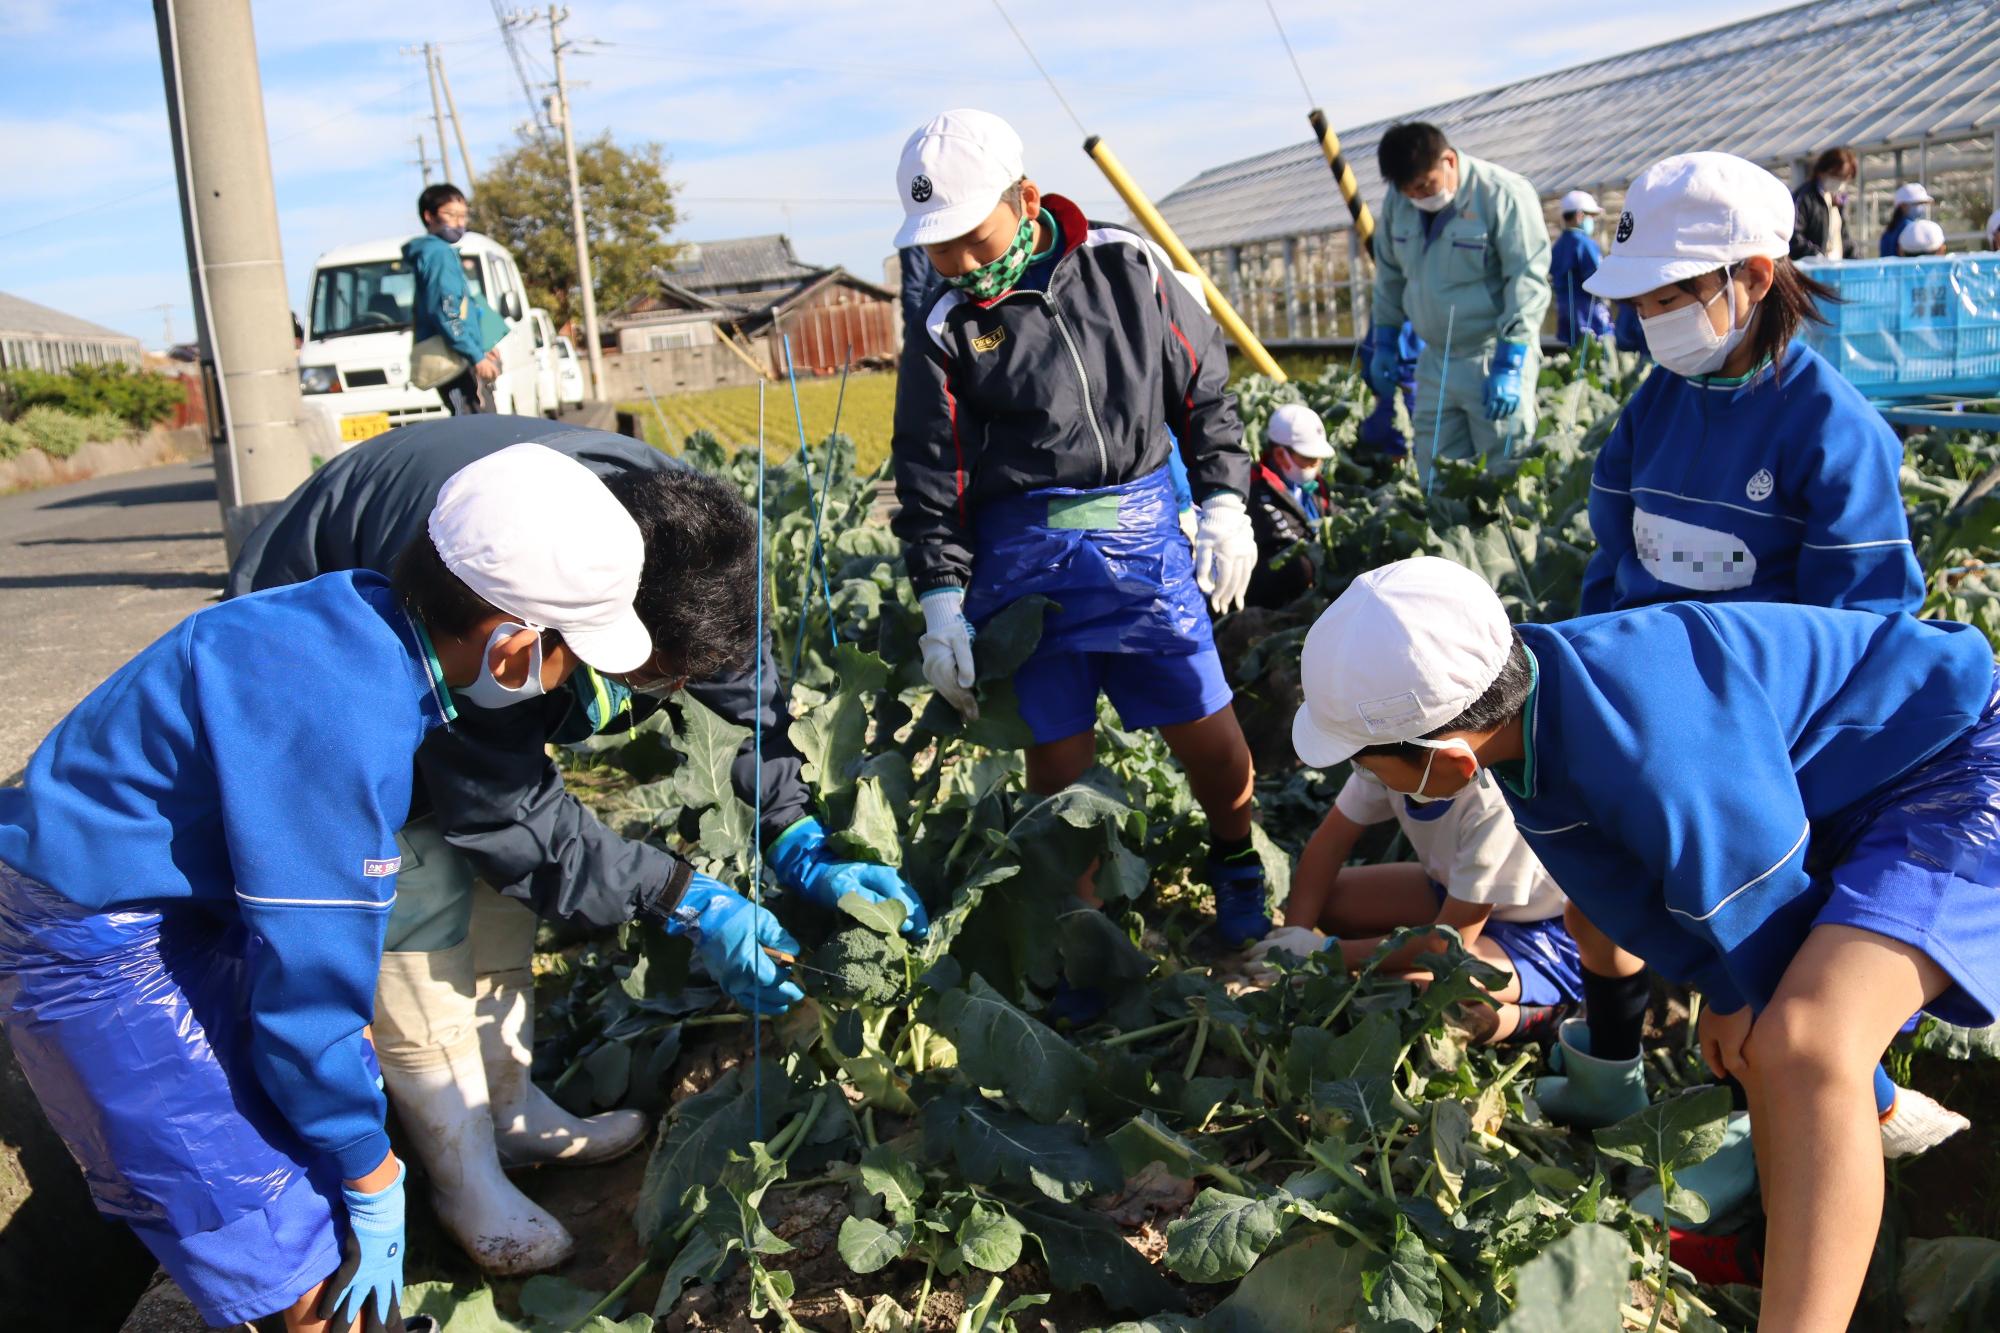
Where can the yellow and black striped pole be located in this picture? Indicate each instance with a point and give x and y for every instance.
(1343, 175)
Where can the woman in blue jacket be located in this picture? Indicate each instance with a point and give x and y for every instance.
(1795, 809)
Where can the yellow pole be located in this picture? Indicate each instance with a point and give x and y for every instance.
(1149, 217)
(1350, 189)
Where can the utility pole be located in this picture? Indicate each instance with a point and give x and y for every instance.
(457, 128)
(236, 267)
(556, 16)
(437, 114)
(166, 310)
(423, 158)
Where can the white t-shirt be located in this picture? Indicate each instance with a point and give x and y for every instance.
(1468, 844)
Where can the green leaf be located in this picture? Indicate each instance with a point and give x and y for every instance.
(1574, 1286)
(1001, 1047)
(881, 914)
(456, 1309)
(832, 737)
(1314, 1284)
(1404, 1292)
(989, 1239)
(1009, 638)
(866, 1245)
(1082, 1249)
(1957, 1042)
(710, 744)
(553, 1304)
(991, 1144)
(610, 1071)
(1368, 1102)
(899, 1182)
(1951, 1285)
(701, 1259)
(1368, 1049)
(1094, 951)
(1672, 1134)
(695, 1147)
(1223, 1235)
(874, 832)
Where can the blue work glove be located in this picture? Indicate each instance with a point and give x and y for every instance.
(805, 865)
(730, 933)
(366, 1292)
(1384, 363)
(1503, 380)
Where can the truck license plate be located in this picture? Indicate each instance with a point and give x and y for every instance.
(365, 426)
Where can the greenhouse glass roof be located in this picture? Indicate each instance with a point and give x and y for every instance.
(1869, 74)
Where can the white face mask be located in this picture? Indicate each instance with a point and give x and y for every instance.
(1685, 342)
(1437, 203)
(1417, 797)
(488, 691)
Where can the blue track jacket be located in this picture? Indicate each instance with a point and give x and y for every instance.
(444, 304)
(1682, 758)
(1784, 491)
(256, 760)
(1573, 259)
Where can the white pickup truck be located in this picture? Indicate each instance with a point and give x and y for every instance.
(354, 367)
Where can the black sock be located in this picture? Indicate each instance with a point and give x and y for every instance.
(1228, 849)
(1616, 1008)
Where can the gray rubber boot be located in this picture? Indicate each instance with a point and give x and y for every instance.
(1590, 1093)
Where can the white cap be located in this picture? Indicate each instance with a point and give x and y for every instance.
(1578, 201)
(1405, 650)
(1692, 214)
(1922, 237)
(1299, 429)
(953, 172)
(1913, 193)
(535, 533)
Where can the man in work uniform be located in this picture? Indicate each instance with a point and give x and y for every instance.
(1462, 253)
(454, 1016)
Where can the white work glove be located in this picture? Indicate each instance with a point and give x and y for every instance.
(947, 645)
(1225, 551)
(1300, 941)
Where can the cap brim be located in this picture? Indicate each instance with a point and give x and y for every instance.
(623, 645)
(942, 224)
(1310, 449)
(1620, 278)
(1317, 748)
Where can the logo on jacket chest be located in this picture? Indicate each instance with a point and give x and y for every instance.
(1760, 485)
(986, 342)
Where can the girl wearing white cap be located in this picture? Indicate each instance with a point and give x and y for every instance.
(1751, 471)
(1913, 203)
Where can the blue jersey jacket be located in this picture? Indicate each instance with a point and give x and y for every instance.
(1780, 490)
(445, 304)
(1683, 758)
(255, 760)
(1572, 260)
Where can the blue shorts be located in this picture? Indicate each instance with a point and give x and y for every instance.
(1542, 953)
(131, 1027)
(1058, 691)
(1920, 863)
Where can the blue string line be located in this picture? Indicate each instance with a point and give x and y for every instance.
(818, 553)
(757, 801)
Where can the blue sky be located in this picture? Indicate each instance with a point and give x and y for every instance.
(777, 117)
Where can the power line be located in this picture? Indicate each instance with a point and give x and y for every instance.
(1297, 68)
(1038, 65)
(520, 72)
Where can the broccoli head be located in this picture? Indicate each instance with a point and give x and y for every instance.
(859, 966)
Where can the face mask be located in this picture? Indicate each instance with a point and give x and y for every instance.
(1588, 226)
(991, 280)
(487, 691)
(596, 702)
(1415, 797)
(1835, 189)
(1685, 342)
(1436, 203)
(450, 235)
(1295, 470)
(1918, 211)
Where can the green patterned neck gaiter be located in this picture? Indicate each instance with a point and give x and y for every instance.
(991, 280)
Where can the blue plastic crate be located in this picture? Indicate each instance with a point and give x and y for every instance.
(1909, 327)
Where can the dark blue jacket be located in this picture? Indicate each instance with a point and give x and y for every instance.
(1573, 259)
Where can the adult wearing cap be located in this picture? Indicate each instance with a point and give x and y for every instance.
(1750, 470)
(1060, 363)
(1785, 806)
(1285, 504)
(455, 1008)
(1462, 253)
(195, 877)
(1920, 239)
(1913, 204)
(1572, 259)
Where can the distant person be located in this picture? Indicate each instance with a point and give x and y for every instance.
(298, 333)
(1572, 259)
(1993, 230)
(1463, 254)
(1913, 204)
(445, 307)
(1626, 332)
(1379, 430)
(1819, 229)
(1285, 504)
(1921, 238)
(920, 282)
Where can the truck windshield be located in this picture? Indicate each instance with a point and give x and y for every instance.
(371, 298)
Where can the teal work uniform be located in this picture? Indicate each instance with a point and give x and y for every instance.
(1478, 271)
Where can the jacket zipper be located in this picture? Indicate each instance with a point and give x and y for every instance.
(1089, 407)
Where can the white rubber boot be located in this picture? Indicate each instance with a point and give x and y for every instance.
(431, 1067)
(1917, 1123)
(528, 1126)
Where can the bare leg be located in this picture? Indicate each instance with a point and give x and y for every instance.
(1595, 949)
(1489, 1023)
(1216, 759)
(1809, 1067)
(1054, 765)
(303, 1316)
(1374, 900)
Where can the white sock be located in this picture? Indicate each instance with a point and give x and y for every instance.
(1917, 1123)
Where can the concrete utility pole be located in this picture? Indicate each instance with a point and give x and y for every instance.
(556, 16)
(437, 114)
(457, 127)
(423, 158)
(236, 267)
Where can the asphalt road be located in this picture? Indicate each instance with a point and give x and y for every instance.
(90, 573)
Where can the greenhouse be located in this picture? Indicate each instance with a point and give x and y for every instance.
(1912, 88)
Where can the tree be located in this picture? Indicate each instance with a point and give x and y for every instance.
(628, 208)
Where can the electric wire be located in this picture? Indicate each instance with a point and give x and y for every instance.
(1036, 61)
(1297, 68)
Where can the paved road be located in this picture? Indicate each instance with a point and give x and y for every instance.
(89, 574)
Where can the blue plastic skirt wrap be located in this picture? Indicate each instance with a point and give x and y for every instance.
(1114, 559)
(131, 1027)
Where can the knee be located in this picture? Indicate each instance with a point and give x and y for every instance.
(1798, 1047)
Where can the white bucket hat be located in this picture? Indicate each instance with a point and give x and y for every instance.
(1693, 214)
(953, 172)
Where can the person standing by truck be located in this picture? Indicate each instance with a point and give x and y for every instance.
(445, 307)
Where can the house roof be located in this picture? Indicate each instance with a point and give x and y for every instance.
(748, 261)
(20, 315)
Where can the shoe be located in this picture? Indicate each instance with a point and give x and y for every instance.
(432, 1070)
(1916, 1123)
(1590, 1093)
(528, 1126)
(1242, 911)
(1725, 1178)
(1718, 1261)
(1540, 1022)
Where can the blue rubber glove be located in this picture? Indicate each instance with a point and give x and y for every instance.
(366, 1292)
(730, 933)
(1384, 364)
(805, 865)
(1502, 395)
